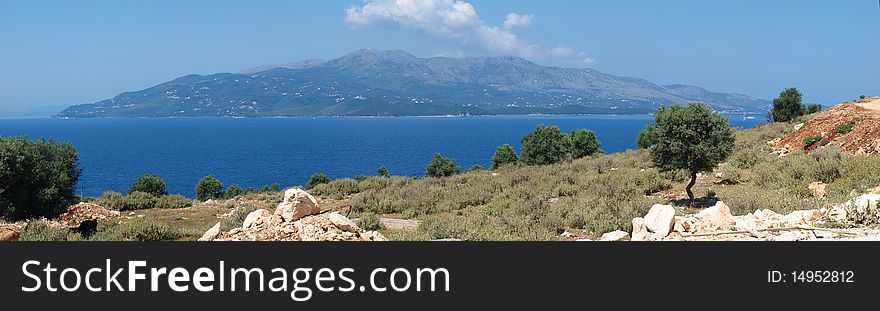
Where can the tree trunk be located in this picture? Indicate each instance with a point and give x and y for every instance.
(691, 184)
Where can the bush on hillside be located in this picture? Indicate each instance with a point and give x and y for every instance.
(209, 188)
(441, 167)
(149, 183)
(812, 108)
(582, 143)
(647, 137)
(233, 191)
(503, 155)
(317, 179)
(544, 145)
(37, 178)
(173, 201)
(382, 172)
(787, 107)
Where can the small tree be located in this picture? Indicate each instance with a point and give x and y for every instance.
(544, 145)
(691, 138)
(582, 143)
(647, 137)
(317, 179)
(209, 188)
(441, 167)
(233, 191)
(149, 183)
(37, 178)
(862, 97)
(383, 172)
(503, 155)
(788, 106)
(812, 108)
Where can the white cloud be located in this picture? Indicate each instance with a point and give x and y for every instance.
(458, 21)
(515, 20)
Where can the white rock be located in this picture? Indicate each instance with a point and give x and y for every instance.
(797, 218)
(343, 223)
(211, 234)
(660, 219)
(566, 234)
(638, 224)
(798, 126)
(717, 216)
(255, 218)
(618, 235)
(297, 204)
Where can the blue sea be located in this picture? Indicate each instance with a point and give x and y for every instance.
(259, 152)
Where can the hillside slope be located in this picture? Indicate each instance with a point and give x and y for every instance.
(853, 126)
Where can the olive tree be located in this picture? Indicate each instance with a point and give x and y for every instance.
(544, 145)
(37, 178)
(692, 138)
(503, 155)
(441, 166)
(149, 183)
(582, 143)
(317, 179)
(788, 106)
(209, 188)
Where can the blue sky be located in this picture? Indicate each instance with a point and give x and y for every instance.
(57, 53)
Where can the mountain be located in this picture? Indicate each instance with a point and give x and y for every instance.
(394, 83)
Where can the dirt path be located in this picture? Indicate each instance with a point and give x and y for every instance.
(873, 104)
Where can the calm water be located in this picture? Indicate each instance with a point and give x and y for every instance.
(258, 152)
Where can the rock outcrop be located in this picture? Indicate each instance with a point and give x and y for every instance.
(297, 218)
(717, 223)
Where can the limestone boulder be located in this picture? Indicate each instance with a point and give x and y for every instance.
(256, 218)
(660, 219)
(618, 235)
(343, 222)
(211, 234)
(716, 217)
(296, 204)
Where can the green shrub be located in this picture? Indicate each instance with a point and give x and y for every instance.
(317, 179)
(209, 188)
(369, 221)
(787, 107)
(845, 128)
(647, 137)
(544, 145)
(37, 230)
(138, 230)
(110, 200)
(382, 172)
(339, 188)
(37, 178)
(173, 201)
(812, 108)
(582, 143)
(235, 190)
(138, 200)
(862, 97)
(441, 167)
(503, 155)
(810, 141)
(149, 183)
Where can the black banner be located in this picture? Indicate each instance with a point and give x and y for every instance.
(518, 275)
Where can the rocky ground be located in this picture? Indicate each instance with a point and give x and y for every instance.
(717, 223)
(864, 139)
(296, 218)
